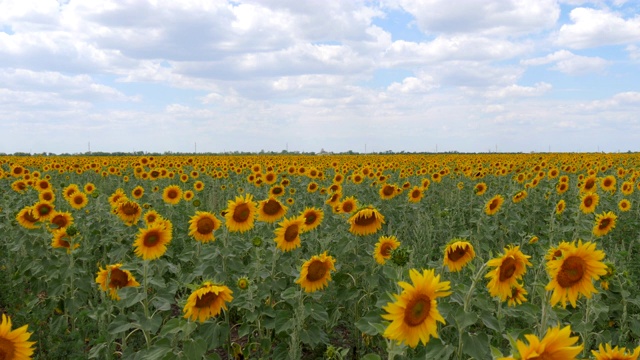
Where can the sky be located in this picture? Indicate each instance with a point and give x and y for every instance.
(312, 75)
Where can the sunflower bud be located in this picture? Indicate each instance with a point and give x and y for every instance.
(400, 256)
(196, 203)
(257, 241)
(72, 230)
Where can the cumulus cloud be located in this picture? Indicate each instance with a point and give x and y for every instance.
(617, 101)
(519, 91)
(597, 27)
(569, 63)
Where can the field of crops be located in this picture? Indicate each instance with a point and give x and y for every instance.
(482, 256)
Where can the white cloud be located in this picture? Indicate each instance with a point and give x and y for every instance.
(634, 52)
(618, 101)
(519, 91)
(488, 17)
(595, 27)
(422, 84)
(569, 63)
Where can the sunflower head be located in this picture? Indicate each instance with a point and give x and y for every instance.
(14, 343)
(605, 222)
(366, 221)
(457, 254)
(240, 214)
(202, 225)
(207, 302)
(384, 247)
(493, 205)
(508, 269)
(316, 272)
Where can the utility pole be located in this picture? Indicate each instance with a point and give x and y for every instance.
(195, 147)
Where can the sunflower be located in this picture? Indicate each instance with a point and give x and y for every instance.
(151, 216)
(366, 221)
(560, 206)
(207, 302)
(493, 205)
(78, 200)
(172, 194)
(19, 186)
(589, 202)
(557, 251)
(14, 344)
(27, 218)
(607, 353)
(276, 190)
(608, 183)
(68, 191)
(562, 187)
(519, 196)
(198, 185)
(202, 225)
(457, 254)
(113, 278)
(334, 199)
(509, 268)
(312, 218)
(43, 210)
(480, 188)
(573, 273)
(312, 187)
(316, 272)
(137, 192)
(47, 195)
(589, 184)
(415, 195)
(627, 188)
(129, 212)
(556, 344)
(116, 197)
(60, 220)
(624, 205)
(348, 205)
(63, 240)
(288, 233)
(517, 295)
(384, 246)
(89, 188)
(388, 191)
(42, 185)
(605, 222)
(151, 243)
(243, 283)
(414, 315)
(241, 214)
(271, 210)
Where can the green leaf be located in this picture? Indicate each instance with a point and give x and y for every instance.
(119, 325)
(465, 319)
(284, 321)
(476, 346)
(366, 323)
(289, 293)
(435, 349)
(371, 356)
(491, 322)
(195, 349)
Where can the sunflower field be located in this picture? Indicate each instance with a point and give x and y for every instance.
(433, 256)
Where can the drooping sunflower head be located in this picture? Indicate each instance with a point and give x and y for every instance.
(493, 205)
(457, 254)
(605, 222)
(366, 221)
(573, 273)
(207, 302)
(517, 295)
(561, 206)
(312, 218)
(114, 278)
(62, 239)
(271, 210)
(241, 214)
(316, 272)
(151, 242)
(508, 269)
(288, 233)
(414, 315)
(28, 218)
(519, 196)
(202, 225)
(384, 247)
(14, 343)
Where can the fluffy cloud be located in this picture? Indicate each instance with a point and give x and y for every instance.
(569, 63)
(595, 27)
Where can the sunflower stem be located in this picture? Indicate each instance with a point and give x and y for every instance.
(145, 304)
(545, 314)
(476, 278)
(585, 333)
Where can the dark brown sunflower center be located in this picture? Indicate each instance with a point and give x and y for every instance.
(508, 268)
(417, 310)
(310, 218)
(312, 186)
(118, 279)
(276, 191)
(364, 220)
(457, 254)
(589, 184)
(172, 194)
(78, 200)
(347, 207)
(129, 209)
(388, 190)
(291, 233)
(588, 201)
(71, 192)
(494, 204)
(137, 192)
(205, 225)
(151, 239)
(316, 271)
(60, 221)
(415, 194)
(151, 218)
(64, 243)
(6, 349)
(44, 209)
(29, 217)
(271, 207)
(571, 271)
(241, 213)
(604, 223)
(385, 249)
(607, 183)
(206, 300)
(47, 196)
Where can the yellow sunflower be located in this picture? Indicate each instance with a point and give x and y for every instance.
(388, 191)
(560, 206)
(312, 218)
(589, 202)
(556, 344)
(608, 183)
(276, 190)
(480, 188)
(43, 210)
(589, 184)
(47, 195)
(27, 218)
(137, 192)
(60, 220)
(348, 205)
(89, 188)
(116, 197)
(605, 222)
(415, 195)
(316, 272)
(271, 210)
(457, 254)
(557, 251)
(624, 205)
(14, 344)
(151, 216)
(202, 225)
(509, 268)
(114, 278)
(607, 353)
(63, 240)
(207, 302)
(414, 315)
(241, 214)
(151, 243)
(198, 185)
(366, 221)
(384, 246)
(493, 205)
(129, 212)
(78, 200)
(519, 196)
(172, 194)
(562, 187)
(517, 295)
(573, 273)
(288, 233)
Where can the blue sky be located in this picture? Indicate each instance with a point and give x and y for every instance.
(401, 75)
